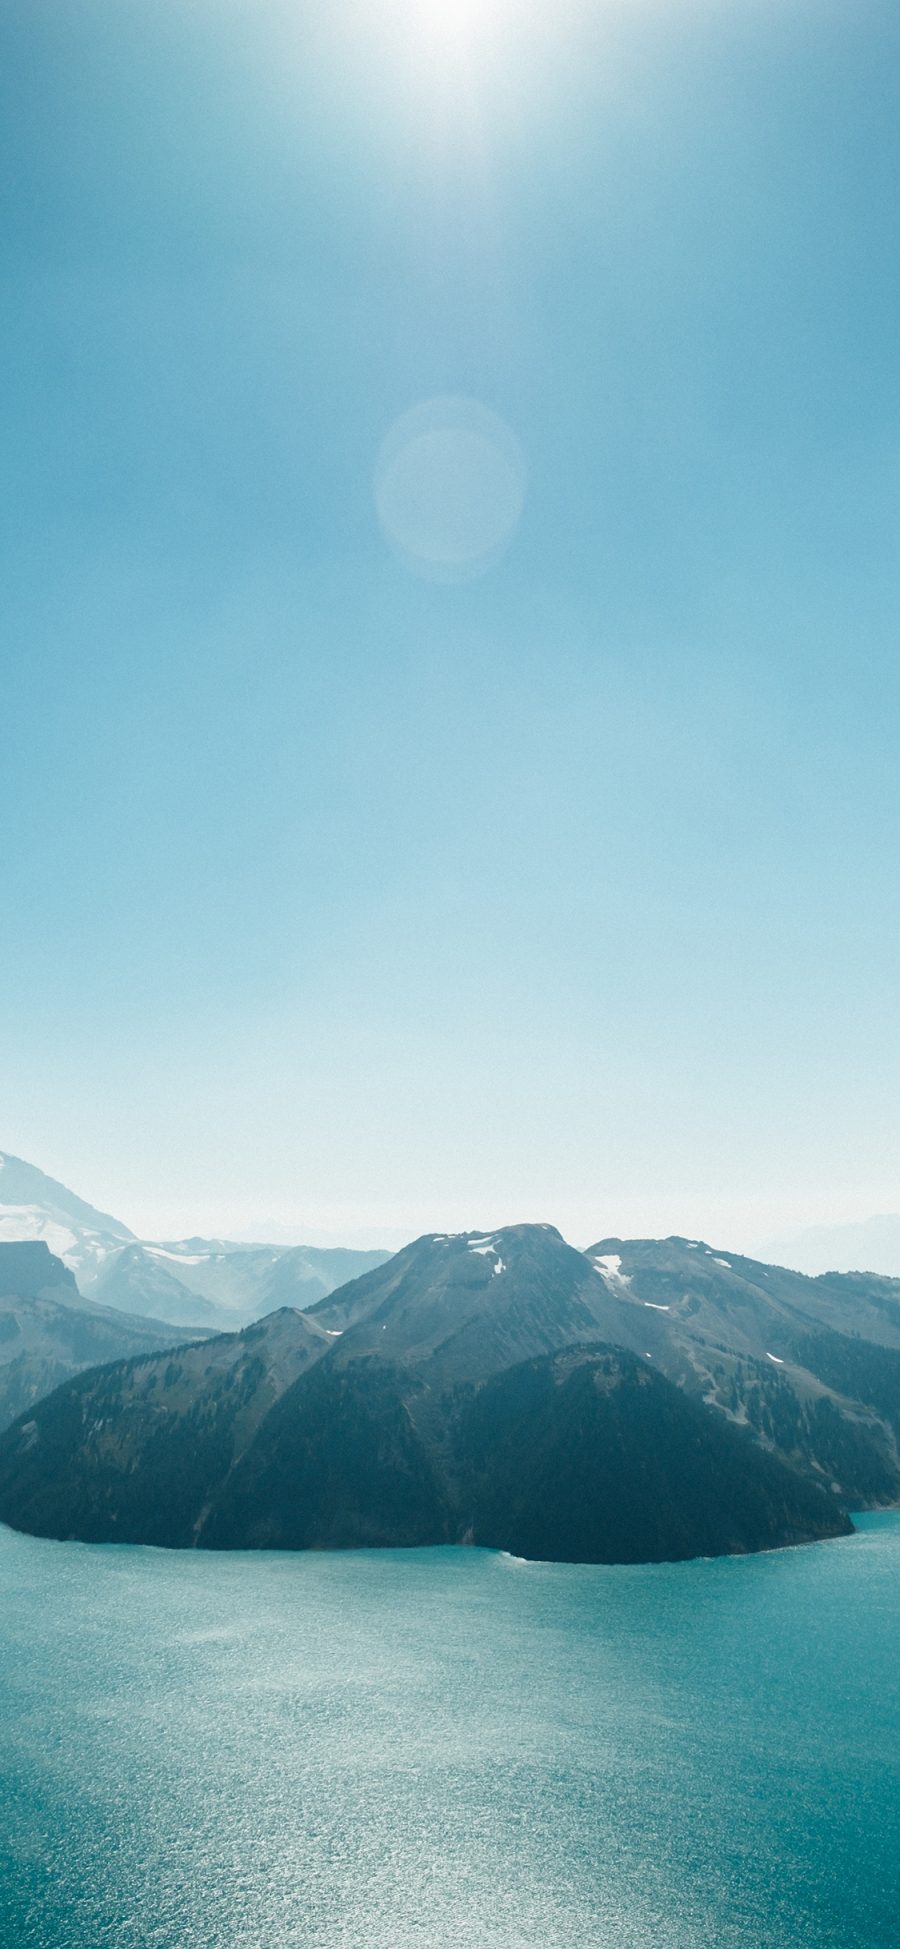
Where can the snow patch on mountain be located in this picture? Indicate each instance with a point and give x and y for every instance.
(179, 1258)
(609, 1266)
(28, 1223)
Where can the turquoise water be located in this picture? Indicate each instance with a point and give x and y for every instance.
(449, 1748)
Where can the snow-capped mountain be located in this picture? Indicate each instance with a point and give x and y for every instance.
(34, 1206)
(189, 1282)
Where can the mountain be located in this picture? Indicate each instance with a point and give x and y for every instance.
(218, 1283)
(592, 1454)
(143, 1279)
(34, 1206)
(48, 1332)
(473, 1303)
(466, 1391)
(136, 1451)
(189, 1282)
(810, 1365)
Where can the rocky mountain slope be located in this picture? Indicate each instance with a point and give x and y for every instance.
(477, 1388)
(138, 1450)
(48, 1332)
(471, 1304)
(810, 1365)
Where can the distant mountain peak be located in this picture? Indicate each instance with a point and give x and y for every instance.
(194, 1281)
(523, 1229)
(22, 1183)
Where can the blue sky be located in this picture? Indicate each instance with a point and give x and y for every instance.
(349, 900)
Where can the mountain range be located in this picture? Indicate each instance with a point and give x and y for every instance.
(640, 1398)
(643, 1399)
(213, 1283)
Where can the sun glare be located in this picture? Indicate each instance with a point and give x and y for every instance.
(461, 23)
(452, 56)
(455, 19)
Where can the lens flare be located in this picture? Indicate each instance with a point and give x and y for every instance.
(450, 486)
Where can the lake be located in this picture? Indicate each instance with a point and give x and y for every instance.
(375, 1750)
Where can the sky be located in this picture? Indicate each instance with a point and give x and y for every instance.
(449, 681)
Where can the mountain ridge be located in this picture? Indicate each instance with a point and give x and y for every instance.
(384, 1415)
(209, 1283)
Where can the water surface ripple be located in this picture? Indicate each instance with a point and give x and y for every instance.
(449, 1749)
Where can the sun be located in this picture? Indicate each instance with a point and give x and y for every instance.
(455, 18)
(452, 51)
(459, 22)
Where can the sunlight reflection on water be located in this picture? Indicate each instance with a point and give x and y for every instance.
(446, 1748)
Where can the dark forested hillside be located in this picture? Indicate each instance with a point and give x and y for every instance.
(594, 1455)
(139, 1450)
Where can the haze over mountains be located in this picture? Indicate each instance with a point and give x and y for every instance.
(214, 1283)
(872, 1244)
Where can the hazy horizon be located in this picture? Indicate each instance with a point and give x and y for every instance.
(872, 1243)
